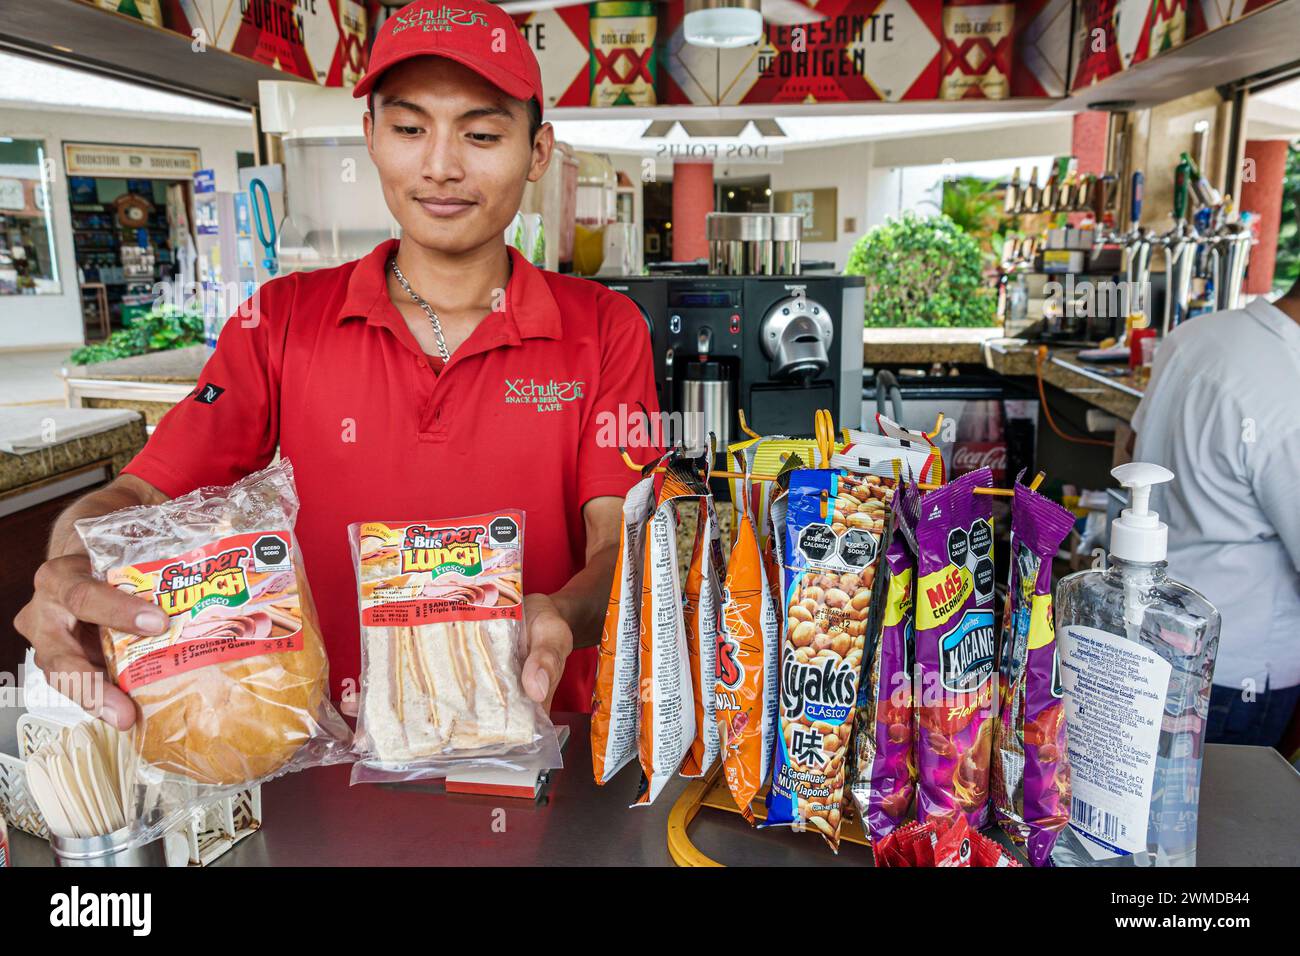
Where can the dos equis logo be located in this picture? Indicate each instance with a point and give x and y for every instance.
(442, 19)
(192, 586)
(439, 550)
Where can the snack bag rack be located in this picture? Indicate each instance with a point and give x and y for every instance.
(711, 792)
(209, 833)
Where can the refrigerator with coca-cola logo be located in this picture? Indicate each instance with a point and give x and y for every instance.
(987, 422)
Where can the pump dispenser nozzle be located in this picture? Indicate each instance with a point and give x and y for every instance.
(1138, 534)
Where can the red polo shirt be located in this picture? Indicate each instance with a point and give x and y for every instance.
(331, 374)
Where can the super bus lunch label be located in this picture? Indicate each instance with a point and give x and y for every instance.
(233, 598)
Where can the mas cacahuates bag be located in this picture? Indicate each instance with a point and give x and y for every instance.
(236, 691)
(443, 644)
(955, 645)
(1031, 771)
(884, 783)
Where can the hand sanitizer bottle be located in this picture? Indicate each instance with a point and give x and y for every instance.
(1137, 655)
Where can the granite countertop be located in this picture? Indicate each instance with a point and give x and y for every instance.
(1117, 394)
(895, 346)
(180, 366)
(77, 437)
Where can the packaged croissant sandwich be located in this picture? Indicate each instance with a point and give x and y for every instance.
(443, 644)
(236, 691)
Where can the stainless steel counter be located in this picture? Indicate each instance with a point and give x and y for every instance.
(1248, 801)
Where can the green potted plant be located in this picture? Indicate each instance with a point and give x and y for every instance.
(163, 327)
(923, 272)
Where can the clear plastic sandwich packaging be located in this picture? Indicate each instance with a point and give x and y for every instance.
(236, 691)
(443, 644)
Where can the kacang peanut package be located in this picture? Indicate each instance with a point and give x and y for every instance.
(744, 686)
(1031, 771)
(443, 643)
(702, 609)
(236, 691)
(884, 766)
(666, 718)
(955, 646)
(616, 698)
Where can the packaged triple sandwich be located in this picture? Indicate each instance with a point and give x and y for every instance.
(1031, 771)
(236, 691)
(702, 609)
(443, 643)
(955, 645)
(617, 696)
(745, 683)
(884, 766)
(666, 720)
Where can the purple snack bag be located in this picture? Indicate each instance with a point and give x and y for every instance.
(955, 649)
(884, 781)
(1031, 770)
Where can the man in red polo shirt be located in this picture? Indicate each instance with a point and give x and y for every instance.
(439, 376)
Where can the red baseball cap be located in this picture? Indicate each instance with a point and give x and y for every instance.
(475, 34)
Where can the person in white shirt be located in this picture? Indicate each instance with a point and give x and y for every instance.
(1222, 412)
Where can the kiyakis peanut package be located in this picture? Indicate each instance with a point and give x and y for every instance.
(1031, 771)
(884, 766)
(835, 520)
(955, 648)
(616, 698)
(443, 644)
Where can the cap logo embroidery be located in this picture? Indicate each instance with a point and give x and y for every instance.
(442, 19)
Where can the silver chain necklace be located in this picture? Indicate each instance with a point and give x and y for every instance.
(428, 310)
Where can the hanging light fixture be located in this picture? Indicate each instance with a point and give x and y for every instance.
(723, 23)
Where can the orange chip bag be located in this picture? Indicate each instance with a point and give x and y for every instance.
(616, 697)
(702, 610)
(666, 719)
(746, 641)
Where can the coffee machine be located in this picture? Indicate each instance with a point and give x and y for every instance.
(777, 347)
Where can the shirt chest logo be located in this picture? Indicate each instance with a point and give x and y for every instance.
(545, 396)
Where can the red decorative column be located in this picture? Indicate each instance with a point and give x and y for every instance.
(1088, 135)
(1262, 177)
(692, 201)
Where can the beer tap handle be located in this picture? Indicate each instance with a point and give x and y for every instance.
(1182, 175)
(1135, 201)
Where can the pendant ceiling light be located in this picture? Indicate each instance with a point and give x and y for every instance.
(723, 23)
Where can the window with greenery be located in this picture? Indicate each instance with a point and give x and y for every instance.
(27, 262)
(923, 272)
(1287, 269)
